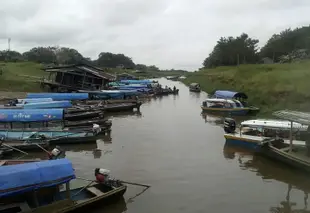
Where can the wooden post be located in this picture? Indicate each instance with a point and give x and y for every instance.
(83, 80)
(62, 77)
(68, 190)
(291, 137)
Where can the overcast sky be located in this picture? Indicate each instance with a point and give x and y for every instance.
(166, 33)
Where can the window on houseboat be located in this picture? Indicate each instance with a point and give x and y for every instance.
(216, 104)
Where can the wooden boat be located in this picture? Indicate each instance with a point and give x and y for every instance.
(194, 87)
(227, 106)
(292, 154)
(121, 107)
(39, 192)
(89, 123)
(16, 162)
(82, 115)
(60, 96)
(26, 145)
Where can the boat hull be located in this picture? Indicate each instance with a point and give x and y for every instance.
(194, 90)
(231, 111)
(243, 142)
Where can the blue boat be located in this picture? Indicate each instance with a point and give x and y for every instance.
(45, 105)
(21, 178)
(136, 81)
(59, 96)
(30, 115)
(38, 187)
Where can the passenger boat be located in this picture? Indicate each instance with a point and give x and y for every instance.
(227, 106)
(45, 188)
(252, 133)
(194, 87)
(59, 96)
(292, 154)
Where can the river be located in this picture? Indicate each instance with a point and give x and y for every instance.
(183, 156)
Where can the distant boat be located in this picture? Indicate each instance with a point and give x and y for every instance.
(194, 87)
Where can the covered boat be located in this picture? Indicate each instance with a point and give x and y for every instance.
(252, 133)
(46, 105)
(136, 81)
(38, 187)
(194, 87)
(230, 106)
(225, 94)
(30, 115)
(59, 96)
(33, 100)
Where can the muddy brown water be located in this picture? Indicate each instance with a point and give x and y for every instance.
(183, 156)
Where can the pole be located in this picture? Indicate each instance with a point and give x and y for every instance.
(14, 148)
(291, 137)
(83, 188)
(42, 148)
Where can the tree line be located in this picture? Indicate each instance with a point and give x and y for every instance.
(65, 55)
(230, 51)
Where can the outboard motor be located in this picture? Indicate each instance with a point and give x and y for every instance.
(56, 153)
(96, 128)
(229, 125)
(102, 175)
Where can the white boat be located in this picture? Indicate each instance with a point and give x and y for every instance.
(252, 133)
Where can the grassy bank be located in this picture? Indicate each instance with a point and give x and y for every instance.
(270, 87)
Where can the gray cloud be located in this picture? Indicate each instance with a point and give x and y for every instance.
(168, 33)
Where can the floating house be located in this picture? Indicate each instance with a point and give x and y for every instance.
(76, 77)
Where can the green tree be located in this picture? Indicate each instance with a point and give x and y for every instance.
(111, 60)
(232, 51)
(41, 55)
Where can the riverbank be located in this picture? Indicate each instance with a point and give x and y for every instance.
(269, 86)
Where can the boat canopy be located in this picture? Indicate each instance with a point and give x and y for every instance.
(45, 105)
(16, 179)
(194, 85)
(229, 94)
(30, 115)
(273, 124)
(59, 96)
(33, 100)
(136, 81)
(294, 116)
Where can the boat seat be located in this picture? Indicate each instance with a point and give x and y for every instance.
(95, 191)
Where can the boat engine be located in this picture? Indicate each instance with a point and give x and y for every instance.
(102, 175)
(96, 128)
(229, 125)
(56, 153)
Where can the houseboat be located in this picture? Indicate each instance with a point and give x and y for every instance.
(227, 106)
(292, 154)
(45, 187)
(194, 87)
(252, 133)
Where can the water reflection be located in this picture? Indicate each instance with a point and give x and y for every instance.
(269, 170)
(213, 119)
(125, 114)
(118, 207)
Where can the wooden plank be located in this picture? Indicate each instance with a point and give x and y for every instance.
(95, 191)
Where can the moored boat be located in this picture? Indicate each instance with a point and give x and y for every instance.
(59, 96)
(45, 188)
(194, 87)
(227, 106)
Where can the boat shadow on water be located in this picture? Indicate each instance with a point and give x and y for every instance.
(218, 119)
(269, 170)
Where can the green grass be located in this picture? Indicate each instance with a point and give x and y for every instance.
(14, 78)
(270, 87)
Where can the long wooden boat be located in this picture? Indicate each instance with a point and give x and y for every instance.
(44, 193)
(26, 145)
(82, 115)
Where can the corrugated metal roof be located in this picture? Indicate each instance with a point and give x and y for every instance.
(295, 116)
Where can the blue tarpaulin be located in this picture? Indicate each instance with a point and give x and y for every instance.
(136, 81)
(45, 105)
(229, 94)
(30, 115)
(59, 96)
(25, 177)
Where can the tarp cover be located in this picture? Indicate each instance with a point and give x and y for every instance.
(30, 176)
(229, 94)
(45, 105)
(59, 96)
(30, 115)
(33, 100)
(136, 81)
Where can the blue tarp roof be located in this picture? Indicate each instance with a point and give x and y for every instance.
(229, 94)
(30, 115)
(136, 81)
(21, 178)
(34, 100)
(59, 96)
(45, 105)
